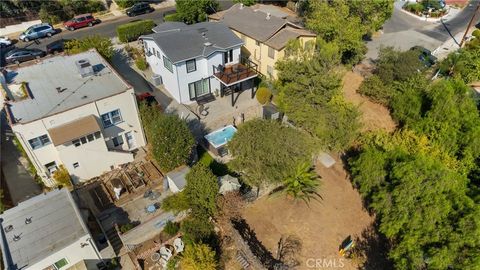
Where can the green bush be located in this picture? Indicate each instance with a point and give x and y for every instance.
(132, 31)
(374, 88)
(263, 95)
(171, 228)
(141, 63)
(126, 227)
(125, 3)
(414, 7)
(102, 44)
(219, 169)
(476, 33)
(171, 18)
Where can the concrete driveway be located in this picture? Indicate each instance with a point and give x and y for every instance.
(404, 31)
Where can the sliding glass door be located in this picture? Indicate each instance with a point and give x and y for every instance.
(199, 88)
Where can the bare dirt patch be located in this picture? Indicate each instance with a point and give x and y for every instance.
(374, 116)
(320, 226)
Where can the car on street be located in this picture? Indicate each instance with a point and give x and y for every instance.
(5, 42)
(139, 8)
(21, 55)
(56, 46)
(38, 31)
(80, 21)
(425, 55)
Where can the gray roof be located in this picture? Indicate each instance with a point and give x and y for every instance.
(60, 71)
(178, 177)
(56, 224)
(280, 39)
(181, 42)
(251, 22)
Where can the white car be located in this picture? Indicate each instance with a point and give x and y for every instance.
(5, 42)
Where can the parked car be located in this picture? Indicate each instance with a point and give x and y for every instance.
(139, 8)
(57, 46)
(21, 55)
(80, 21)
(38, 31)
(425, 56)
(5, 42)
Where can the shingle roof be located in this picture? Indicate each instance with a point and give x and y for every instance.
(55, 224)
(252, 23)
(74, 130)
(181, 42)
(280, 39)
(61, 72)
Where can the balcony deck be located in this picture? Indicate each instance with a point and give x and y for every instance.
(235, 73)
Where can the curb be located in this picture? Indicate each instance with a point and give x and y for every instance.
(426, 19)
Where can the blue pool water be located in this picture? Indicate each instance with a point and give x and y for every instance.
(221, 136)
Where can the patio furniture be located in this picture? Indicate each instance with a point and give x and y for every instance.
(155, 256)
(147, 193)
(151, 208)
(165, 255)
(178, 245)
(154, 195)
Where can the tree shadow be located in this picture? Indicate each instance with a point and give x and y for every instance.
(373, 248)
(256, 246)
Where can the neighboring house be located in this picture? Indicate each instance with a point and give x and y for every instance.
(47, 232)
(74, 111)
(176, 179)
(265, 31)
(196, 62)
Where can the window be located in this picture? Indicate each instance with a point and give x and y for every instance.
(271, 52)
(257, 43)
(117, 141)
(90, 137)
(167, 64)
(83, 140)
(63, 262)
(76, 165)
(111, 118)
(51, 167)
(158, 54)
(76, 143)
(97, 135)
(228, 56)
(191, 65)
(199, 88)
(270, 71)
(38, 142)
(86, 139)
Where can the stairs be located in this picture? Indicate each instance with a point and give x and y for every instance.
(114, 239)
(242, 260)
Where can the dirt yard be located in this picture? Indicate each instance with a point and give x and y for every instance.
(374, 116)
(321, 226)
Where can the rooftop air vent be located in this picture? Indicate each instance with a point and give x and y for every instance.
(241, 5)
(84, 68)
(9, 228)
(16, 237)
(84, 97)
(268, 16)
(28, 220)
(207, 44)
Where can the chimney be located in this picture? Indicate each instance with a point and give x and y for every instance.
(268, 16)
(84, 68)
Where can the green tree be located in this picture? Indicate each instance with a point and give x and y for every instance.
(463, 64)
(62, 177)
(193, 11)
(125, 3)
(198, 257)
(265, 151)
(302, 183)
(375, 89)
(394, 65)
(169, 138)
(103, 45)
(372, 13)
(196, 229)
(246, 2)
(201, 190)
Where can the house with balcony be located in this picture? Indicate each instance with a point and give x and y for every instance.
(196, 63)
(47, 232)
(265, 30)
(75, 111)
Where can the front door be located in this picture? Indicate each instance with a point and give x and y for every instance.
(130, 140)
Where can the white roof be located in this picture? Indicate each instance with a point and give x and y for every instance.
(55, 224)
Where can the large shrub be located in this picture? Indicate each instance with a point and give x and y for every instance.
(102, 44)
(62, 177)
(141, 63)
(263, 95)
(374, 88)
(172, 18)
(125, 3)
(132, 31)
(169, 138)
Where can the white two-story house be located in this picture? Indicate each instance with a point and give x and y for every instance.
(196, 62)
(74, 111)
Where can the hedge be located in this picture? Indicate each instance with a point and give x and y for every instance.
(132, 31)
(263, 95)
(171, 18)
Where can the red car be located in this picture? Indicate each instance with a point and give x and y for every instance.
(80, 21)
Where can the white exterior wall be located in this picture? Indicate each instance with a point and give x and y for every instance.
(94, 157)
(177, 82)
(74, 253)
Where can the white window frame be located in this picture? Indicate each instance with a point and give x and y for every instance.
(111, 118)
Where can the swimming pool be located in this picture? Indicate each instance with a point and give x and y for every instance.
(221, 136)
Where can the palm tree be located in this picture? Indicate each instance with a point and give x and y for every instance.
(302, 183)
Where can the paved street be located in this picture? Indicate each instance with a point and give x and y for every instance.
(404, 31)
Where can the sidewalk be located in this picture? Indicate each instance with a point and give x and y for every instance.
(451, 45)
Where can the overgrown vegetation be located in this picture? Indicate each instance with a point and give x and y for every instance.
(217, 168)
(246, 2)
(263, 95)
(62, 177)
(169, 138)
(171, 17)
(171, 228)
(421, 181)
(132, 31)
(193, 11)
(141, 63)
(103, 45)
(198, 257)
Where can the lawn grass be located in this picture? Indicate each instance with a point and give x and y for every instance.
(219, 169)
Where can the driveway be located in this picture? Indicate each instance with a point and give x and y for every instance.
(404, 31)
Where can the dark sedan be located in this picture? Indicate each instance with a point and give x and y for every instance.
(138, 9)
(56, 46)
(21, 55)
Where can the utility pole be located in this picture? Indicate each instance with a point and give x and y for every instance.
(470, 24)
